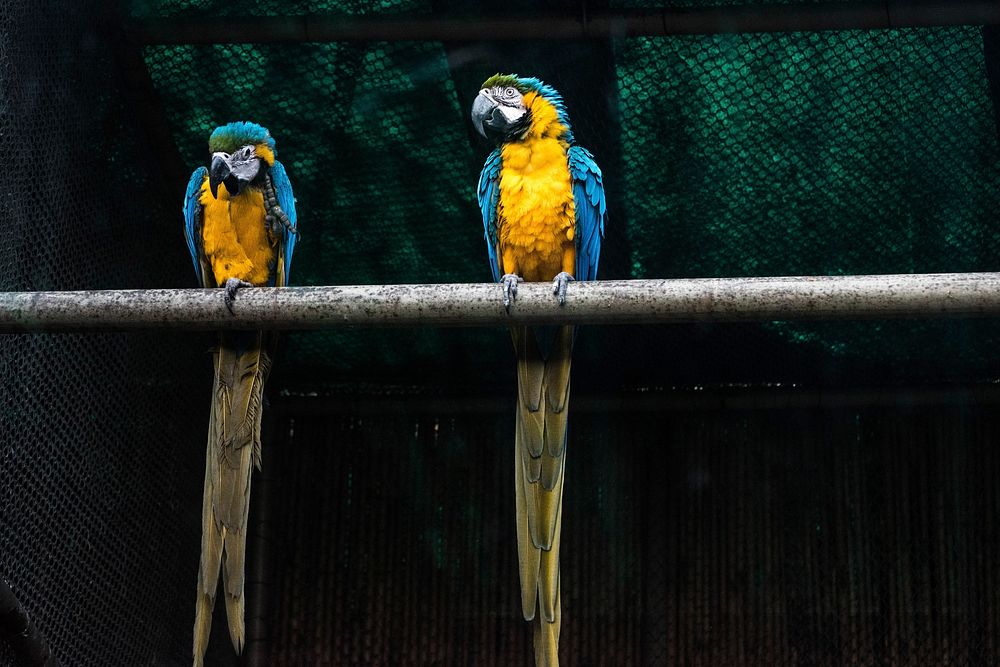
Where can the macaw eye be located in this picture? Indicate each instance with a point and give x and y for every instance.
(509, 92)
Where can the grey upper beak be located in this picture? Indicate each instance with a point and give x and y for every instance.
(231, 171)
(219, 172)
(482, 112)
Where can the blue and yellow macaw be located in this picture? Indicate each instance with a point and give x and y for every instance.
(542, 200)
(241, 234)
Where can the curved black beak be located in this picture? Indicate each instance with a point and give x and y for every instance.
(221, 172)
(232, 171)
(484, 114)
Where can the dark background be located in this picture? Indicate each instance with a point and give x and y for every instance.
(753, 494)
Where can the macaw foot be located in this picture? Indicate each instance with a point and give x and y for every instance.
(510, 281)
(229, 293)
(559, 286)
(275, 218)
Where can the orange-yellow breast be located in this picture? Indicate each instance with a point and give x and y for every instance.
(536, 218)
(235, 239)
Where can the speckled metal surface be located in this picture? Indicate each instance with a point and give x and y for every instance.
(459, 305)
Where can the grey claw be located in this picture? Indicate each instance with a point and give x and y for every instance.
(510, 281)
(229, 291)
(559, 284)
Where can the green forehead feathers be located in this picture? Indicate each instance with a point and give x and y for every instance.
(228, 138)
(504, 80)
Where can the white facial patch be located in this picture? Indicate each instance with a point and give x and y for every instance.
(511, 113)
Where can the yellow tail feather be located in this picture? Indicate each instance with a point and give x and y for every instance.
(539, 466)
(241, 367)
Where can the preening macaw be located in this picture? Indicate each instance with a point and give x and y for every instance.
(542, 200)
(241, 234)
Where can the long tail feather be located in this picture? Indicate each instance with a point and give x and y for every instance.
(241, 367)
(540, 463)
(546, 638)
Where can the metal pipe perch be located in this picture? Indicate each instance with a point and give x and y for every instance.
(479, 304)
(871, 15)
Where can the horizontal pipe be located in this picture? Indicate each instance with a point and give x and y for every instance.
(650, 22)
(479, 304)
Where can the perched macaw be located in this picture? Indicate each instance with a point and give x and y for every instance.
(542, 199)
(241, 234)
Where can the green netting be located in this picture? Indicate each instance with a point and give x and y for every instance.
(824, 153)
(731, 155)
(812, 154)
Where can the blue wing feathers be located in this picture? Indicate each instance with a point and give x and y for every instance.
(192, 222)
(488, 194)
(588, 199)
(286, 200)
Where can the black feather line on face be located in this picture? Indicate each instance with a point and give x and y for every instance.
(520, 127)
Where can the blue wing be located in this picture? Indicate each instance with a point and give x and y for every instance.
(283, 191)
(588, 199)
(489, 199)
(192, 219)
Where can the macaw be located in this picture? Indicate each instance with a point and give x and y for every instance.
(543, 207)
(241, 234)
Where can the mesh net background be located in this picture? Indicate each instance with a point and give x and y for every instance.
(99, 452)
(852, 531)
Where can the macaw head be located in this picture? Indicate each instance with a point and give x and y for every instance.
(237, 152)
(512, 108)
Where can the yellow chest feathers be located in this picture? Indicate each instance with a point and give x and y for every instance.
(536, 213)
(235, 239)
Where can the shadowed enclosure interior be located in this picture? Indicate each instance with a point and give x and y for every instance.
(752, 494)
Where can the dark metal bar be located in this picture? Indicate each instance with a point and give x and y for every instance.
(259, 620)
(479, 304)
(675, 21)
